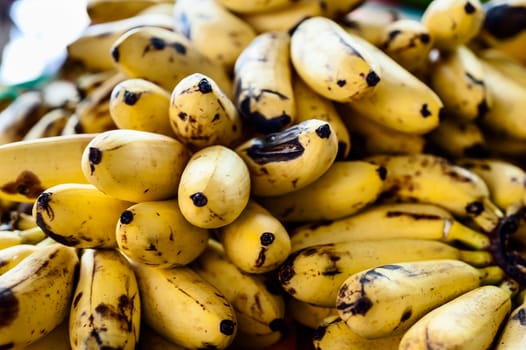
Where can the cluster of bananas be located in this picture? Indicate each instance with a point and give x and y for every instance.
(188, 181)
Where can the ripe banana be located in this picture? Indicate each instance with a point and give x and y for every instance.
(134, 165)
(387, 299)
(308, 315)
(263, 91)
(332, 61)
(13, 255)
(200, 114)
(79, 215)
(214, 187)
(37, 164)
(166, 241)
(106, 307)
(50, 124)
(184, 308)
(345, 188)
(315, 274)
(36, 295)
(388, 221)
(256, 242)
(512, 335)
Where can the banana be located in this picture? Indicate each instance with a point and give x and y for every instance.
(289, 160)
(37, 164)
(57, 339)
(106, 307)
(512, 335)
(429, 178)
(263, 91)
(309, 315)
(164, 57)
(506, 64)
(181, 306)
(452, 23)
(9, 238)
(110, 10)
(204, 19)
(332, 61)
(240, 6)
(388, 299)
(21, 114)
(50, 124)
(345, 188)
(13, 255)
(388, 221)
(469, 321)
(139, 104)
(79, 215)
(200, 114)
(256, 242)
(315, 274)
(258, 310)
(134, 165)
(214, 187)
(167, 241)
(36, 295)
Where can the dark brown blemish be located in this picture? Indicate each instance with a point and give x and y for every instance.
(26, 183)
(341, 82)
(204, 86)
(406, 315)
(115, 54)
(9, 307)
(424, 111)
(76, 300)
(278, 325)
(382, 172)
(372, 78)
(323, 131)
(199, 199)
(227, 327)
(261, 257)
(359, 307)
(182, 116)
(94, 157)
(521, 316)
(469, 8)
(266, 238)
(286, 271)
(475, 208)
(130, 98)
(126, 217)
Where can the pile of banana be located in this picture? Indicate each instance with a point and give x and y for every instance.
(281, 174)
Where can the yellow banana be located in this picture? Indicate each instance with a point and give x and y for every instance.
(79, 215)
(134, 165)
(345, 188)
(168, 240)
(36, 295)
(110, 10)
(184, 308)
(214, 187)
(388, 299)
(9, 238)
(263, 91)
(57, 339)
(50, 124)
(200, 114)
(309, 315)
(256, 242)
(37, 164)
(315, 274)
(240, 6)
(13, 255)
(513, 335)
(332, 61)
(289, 160)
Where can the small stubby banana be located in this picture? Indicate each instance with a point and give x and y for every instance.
(258, 310)
(203, 19)
(451, 22)
(513, 335)
(289, 160)
(200, 114)
(163, 57)
(50, 124)
(139, 104)
(308, 315)
(332, 62)
(263, 91)
(468, 322)
(36, 295)
(135, 165)
(240, 6)
(157, 234)
(344, 189)
(37, 164)
(106, 307)
(183, 307)
(388, 299)
(430, 178)
(13, 255)
(100, 11)
(214, 187)
(79, 215)
(256, 241)
(388, 221)
(315, 274)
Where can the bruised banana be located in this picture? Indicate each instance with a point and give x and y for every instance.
(315, 274)
(106, 309)
(388, 299)
(13, 255)
(388, 221)
(134, 165)
(79, 215)
(37, 164)
(513, 335)
(308, 315)
(36, 295)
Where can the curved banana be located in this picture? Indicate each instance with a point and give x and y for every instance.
(240, 6)
(37, 164)
(309, 315)
(388, 299)
(166, 241)
(513, 335)
(13, 255)
(134, 165)
(100, 11)
(345, 188)
(36, 295)
(263, 91)
(79, 215)
(256, 242)
(214, 187)
(50, 124)
(106, 307)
